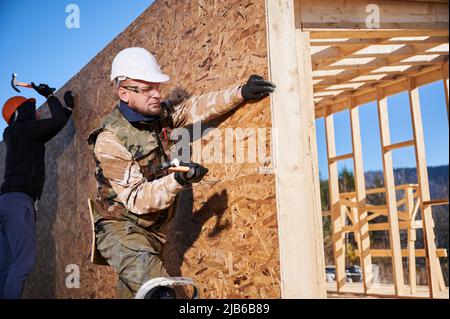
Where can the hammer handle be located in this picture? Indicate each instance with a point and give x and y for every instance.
(25, 85)
(182, 169)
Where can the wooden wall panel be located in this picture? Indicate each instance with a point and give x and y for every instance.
(225, 232)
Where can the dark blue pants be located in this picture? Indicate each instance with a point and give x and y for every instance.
(17, 243)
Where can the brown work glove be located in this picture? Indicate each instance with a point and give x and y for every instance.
(176, 96)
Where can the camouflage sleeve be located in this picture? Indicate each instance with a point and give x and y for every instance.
(207, 107)
(134, 191)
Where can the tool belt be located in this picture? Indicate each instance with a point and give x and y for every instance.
(150, 222)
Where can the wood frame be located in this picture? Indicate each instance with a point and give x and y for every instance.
(391, 201)
(300, 227)
(337, 78)
(436, 281)
(407, 221)
(347, 204)
(360, 189)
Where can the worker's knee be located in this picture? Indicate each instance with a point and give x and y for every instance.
(140, 266)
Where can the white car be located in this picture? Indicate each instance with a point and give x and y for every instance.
(330, 273)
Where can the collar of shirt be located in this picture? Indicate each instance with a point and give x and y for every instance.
(132, 115)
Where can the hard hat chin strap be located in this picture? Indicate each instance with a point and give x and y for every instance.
(16, 115)
(119, 80)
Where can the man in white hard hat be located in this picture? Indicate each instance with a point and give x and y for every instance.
(135, 201)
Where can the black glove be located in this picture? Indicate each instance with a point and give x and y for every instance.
(69, 99)
(177, 95)
(195, 174)
(43, 89)
(256, 88)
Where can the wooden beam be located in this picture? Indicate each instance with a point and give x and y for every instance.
(337, 222)
(398, 145)
(445, 81)
(388, 171)
(401, 225)
(434, 268)
(436, 202)
(353, 14)
(299, 222)
(310, 143)
(363, 66)
(441, 253)
(360, 189)
(398, 83)
(341, 157)
(356, 69)
(409, 203)
(373, 41)
(366, 95)
(379, 190)
(319, 33)
(381, 51)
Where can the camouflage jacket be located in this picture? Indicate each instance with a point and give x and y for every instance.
(126, 155)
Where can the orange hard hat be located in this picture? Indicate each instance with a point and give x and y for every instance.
(12, 105)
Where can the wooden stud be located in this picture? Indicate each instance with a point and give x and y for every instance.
(335, 207)
(409, 203)
(436, 202)
(399, 145)
(374, 41)
(341, 157)
(434, 268)
(391, 202)
(360, 189)
(299, 223)
(418, 253)
(445, 81)
(318, 33)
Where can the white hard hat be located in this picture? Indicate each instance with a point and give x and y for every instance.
(137, 64)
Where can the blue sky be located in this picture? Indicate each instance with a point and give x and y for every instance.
(37, 45)
(434, 115)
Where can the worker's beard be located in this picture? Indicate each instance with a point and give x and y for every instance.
(150, 109)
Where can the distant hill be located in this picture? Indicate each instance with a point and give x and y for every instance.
(437, 175)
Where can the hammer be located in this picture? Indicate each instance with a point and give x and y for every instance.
(15, 83)
(173, 166)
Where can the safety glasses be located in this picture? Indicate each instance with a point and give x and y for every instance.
(145, 90)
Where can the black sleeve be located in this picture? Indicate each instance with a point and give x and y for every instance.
(46, 129)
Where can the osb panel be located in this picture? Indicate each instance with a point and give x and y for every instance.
(225, 232)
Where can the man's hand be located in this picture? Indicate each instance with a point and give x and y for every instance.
(195, 174)
(257, 88)
(69, 99)
(43, 89)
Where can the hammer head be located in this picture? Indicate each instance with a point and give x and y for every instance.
(13, 82)
(176, 162)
